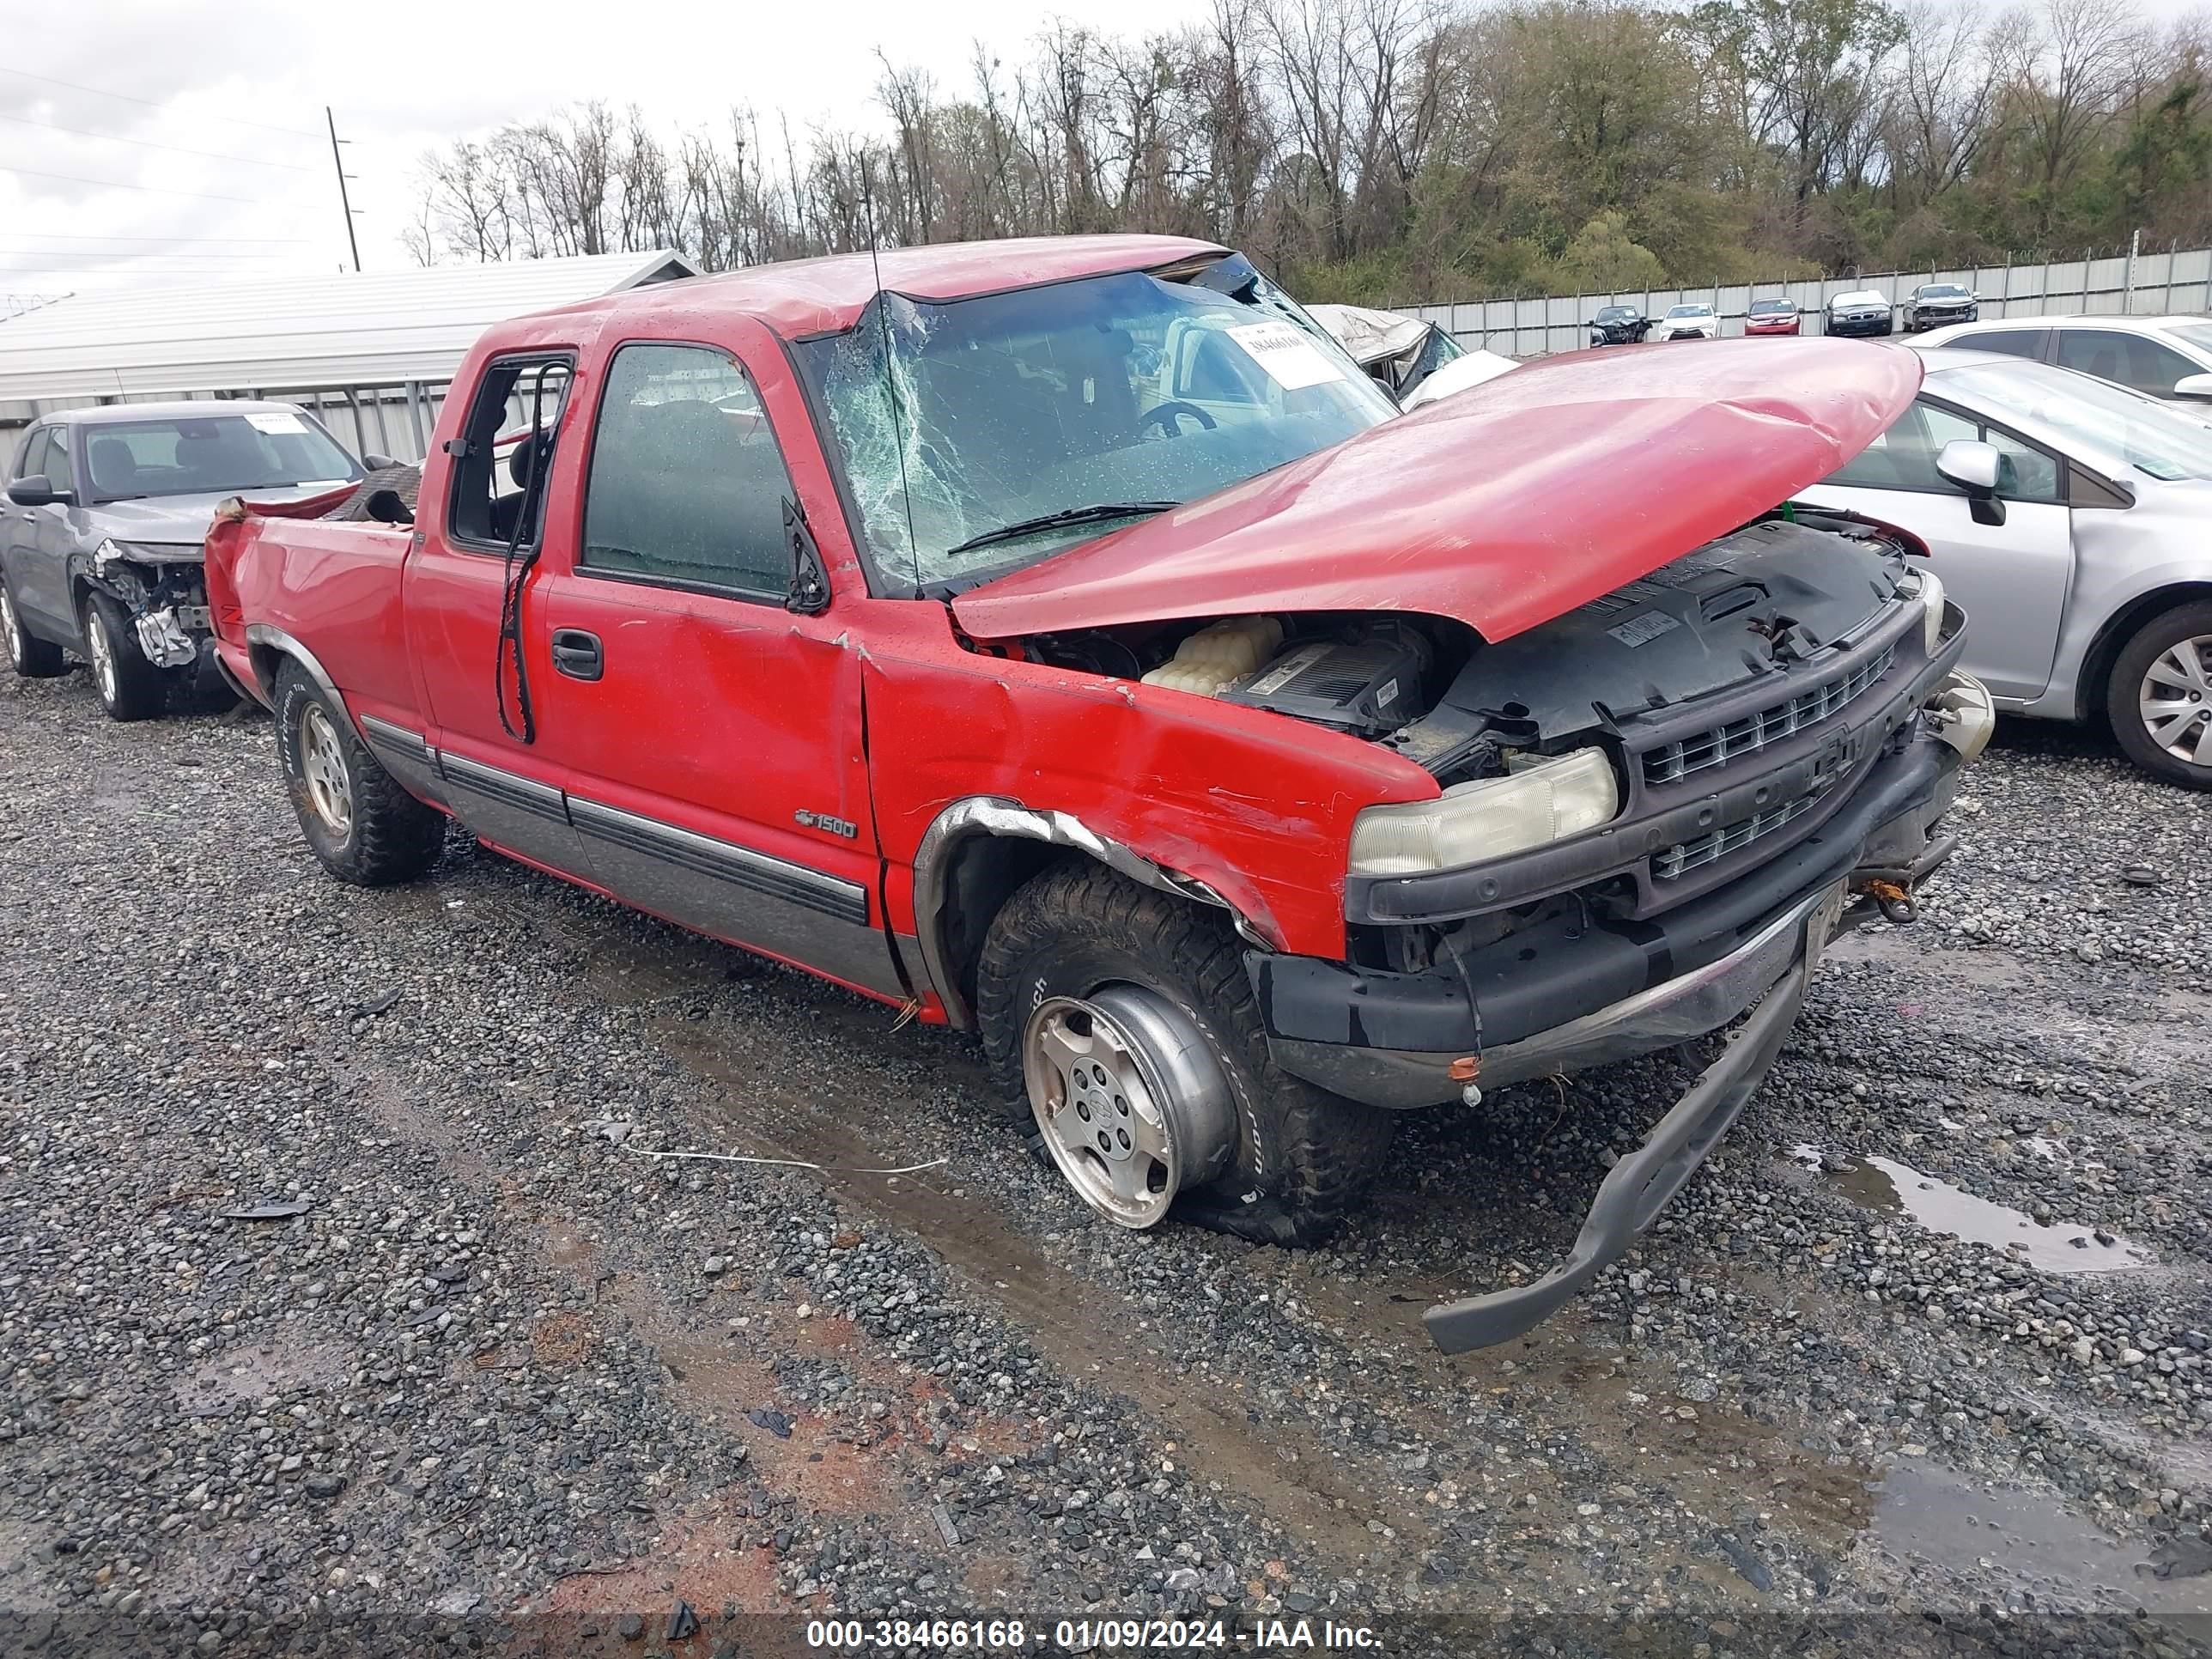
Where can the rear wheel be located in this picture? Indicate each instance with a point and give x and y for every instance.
(2160, 696)
(130, 688)
(1121, 1029)
(31, 659)
(364, 828)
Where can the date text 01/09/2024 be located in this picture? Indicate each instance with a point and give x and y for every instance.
(1088, 1635)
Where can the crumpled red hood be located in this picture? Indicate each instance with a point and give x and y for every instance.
(1505, 506)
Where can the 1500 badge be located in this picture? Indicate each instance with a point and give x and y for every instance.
(844, 827)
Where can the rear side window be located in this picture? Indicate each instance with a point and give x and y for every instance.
(495, 451)
(687, 485)
(2012, 342)
(30, 459)
(2130, 358)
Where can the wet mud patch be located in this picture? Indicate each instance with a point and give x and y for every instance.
(2023, 1547)
(1897, 1190)
(241, 1377)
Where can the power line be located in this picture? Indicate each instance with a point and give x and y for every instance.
(148, 144)
(152, 103)
(153, 190)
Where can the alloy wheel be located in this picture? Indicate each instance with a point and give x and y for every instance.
(2175, 700)
(322, 766)
(1129, 1100)
(101, 650)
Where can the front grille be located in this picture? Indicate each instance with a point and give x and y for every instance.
(1684, 856)
(1719, 744)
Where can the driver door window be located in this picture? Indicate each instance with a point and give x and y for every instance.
(55, 463)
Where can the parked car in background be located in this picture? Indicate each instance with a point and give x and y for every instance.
(100, 551)
(1241, 762)
(1932, 305)
(1771, 316)
(1413, 360)
(1689, 321)
(2169, 358)
(1860, 311)
(1619, 326)
(2073, 519)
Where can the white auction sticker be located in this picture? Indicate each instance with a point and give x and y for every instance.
(276, 420)
(1291, 359)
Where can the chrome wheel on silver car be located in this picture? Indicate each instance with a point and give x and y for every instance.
(322, 765)
(1130, 1101)
(101, 651)
(2175, 700)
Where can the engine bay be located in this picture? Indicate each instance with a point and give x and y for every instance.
(1770, 595)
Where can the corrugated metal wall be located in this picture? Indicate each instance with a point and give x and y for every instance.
(2149, 285)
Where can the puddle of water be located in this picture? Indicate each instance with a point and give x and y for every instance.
(1892, 1189)
(2032, 1541)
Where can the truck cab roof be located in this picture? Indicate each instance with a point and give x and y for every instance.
(802, 297)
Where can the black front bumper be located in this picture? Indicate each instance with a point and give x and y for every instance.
(1642, 1184)
(1857, 327)
(1572, 988)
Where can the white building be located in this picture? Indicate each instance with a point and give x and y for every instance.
(369, 352)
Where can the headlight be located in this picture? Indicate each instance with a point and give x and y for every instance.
(1544, 800)
(1931, 625)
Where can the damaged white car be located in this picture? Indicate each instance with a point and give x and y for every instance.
(100, 552)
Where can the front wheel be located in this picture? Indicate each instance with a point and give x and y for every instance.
(1121, 1029)
(2160, 696)
(364, 828)
(31, 659)
(130, 688)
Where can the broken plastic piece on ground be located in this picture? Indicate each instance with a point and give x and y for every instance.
(683, 1623)
(383, 1005)
(275, 1210)
(773, 1421)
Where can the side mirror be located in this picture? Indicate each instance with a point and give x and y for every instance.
(2193, 385)
(35, 490)
(377, 463)
(1975, 467)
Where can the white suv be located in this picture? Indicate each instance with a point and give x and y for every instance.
(2169, 358)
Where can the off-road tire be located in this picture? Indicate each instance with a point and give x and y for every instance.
(393, 837)
(1303, 1155)
(2124, 683)
(141, 689)
(32, 659)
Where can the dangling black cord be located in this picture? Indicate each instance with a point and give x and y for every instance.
(516, 572)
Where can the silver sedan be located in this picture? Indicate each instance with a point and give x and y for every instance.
(2072, 519)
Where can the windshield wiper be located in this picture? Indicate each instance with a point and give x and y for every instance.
(1006, 532)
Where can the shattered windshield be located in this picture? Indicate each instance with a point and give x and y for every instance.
(981, 434)
(266, 449)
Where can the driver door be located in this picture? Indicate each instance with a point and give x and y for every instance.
(2011, 579)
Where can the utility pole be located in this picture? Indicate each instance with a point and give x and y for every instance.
(338, 161)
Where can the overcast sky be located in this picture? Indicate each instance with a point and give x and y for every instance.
(249, 79)
(150, 81)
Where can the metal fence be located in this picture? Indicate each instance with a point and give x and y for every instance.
(2139, 284)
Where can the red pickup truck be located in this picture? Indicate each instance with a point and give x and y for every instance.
(1064, 641)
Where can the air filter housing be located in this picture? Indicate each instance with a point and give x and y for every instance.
(1367, 686)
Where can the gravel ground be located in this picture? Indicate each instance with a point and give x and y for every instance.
(507, 1370)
